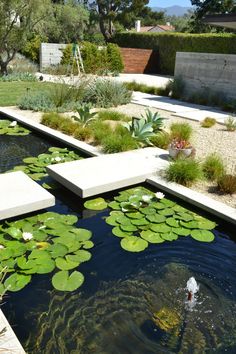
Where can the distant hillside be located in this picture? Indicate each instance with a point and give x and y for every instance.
(173, 10)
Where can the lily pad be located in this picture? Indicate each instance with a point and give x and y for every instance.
(203, 235)
(66, 264)
(172, 222)
(169, 236)
(135, 215)
(151, 237)
(58, 250)
(181, 231)
(16, 282)
(123, 220)
(120, 233)
(88, 244)
(96, 204)
(190, 225)
(111, 220)
(83, 256)
(206, 224)
(148, 210)
(140, 222)
(128, 227)
(156, 218)
(81, 234)
(114, 205)
(64, 282)
(133, 244)
(166, 212)
(162, 228)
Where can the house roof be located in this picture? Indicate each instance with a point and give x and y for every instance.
(162, 27)
(223, 20)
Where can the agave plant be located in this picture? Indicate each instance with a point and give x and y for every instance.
(140, 130)
(85, 116)
(154, 118)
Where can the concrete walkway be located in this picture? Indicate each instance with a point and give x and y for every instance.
(179, 108)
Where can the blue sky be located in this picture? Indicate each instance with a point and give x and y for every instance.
(166, 3)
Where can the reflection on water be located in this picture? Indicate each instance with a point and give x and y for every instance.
(118, 318)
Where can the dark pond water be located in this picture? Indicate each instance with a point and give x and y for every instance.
(112, 313)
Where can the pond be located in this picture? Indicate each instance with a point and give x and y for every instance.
(133, 302)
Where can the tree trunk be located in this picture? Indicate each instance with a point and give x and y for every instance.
(3, 68)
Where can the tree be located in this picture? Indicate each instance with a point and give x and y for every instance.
(18, 19)
(203, 8)
(110, 11)
(65, 22)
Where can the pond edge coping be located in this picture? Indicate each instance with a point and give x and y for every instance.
(8, 340)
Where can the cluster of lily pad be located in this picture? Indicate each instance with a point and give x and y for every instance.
(141, 217)
(39, 245)
(12, 128)
(35, 167)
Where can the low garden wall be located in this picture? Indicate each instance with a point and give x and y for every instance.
(168, 44)
(139, 61)
(211, 72)
(50, 54)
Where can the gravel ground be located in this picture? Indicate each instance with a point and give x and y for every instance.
(205, 140)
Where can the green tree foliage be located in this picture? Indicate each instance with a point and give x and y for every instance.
(18, 19)
(111, 11)
(203, 8)
(65, 22)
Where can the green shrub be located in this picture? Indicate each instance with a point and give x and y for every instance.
(176, 87)
(39, 101)
(208, 122)
(67, 126)
(152, 90)
(100, 131)
(62, 94)
(119, 140)
(230, 124)
(32, 47)
(114, 59)
(112, 115)
(168, 44)
(108, 93)
(181, 131)
(56, 70)
(184, 171)
(18, 76)
(227, 184)
(83, 133)
(161, 140)
(213, 167)
(51, 120)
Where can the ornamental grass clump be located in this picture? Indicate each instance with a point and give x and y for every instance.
(108, 93)
(161, 140)
(230, 124)
(181, 131)
(213, 167)
(83, 133)
(184, 171)
(112, 115)
(119, 140)
(208, 122)
(227, 184)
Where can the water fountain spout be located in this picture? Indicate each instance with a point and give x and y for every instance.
(192, 288)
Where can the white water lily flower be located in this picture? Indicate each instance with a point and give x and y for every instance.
(27, 236)
(146, 198)
(57, 159)
(13, 124)
(42, 227)
(1, 247)
(159, 195)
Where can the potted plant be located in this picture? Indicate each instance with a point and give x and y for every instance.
(180, 147)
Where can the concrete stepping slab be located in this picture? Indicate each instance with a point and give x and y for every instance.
(9, 343)
(21, 195)
(101, 174)
(202, 114)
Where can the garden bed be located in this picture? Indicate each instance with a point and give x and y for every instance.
(205, 140)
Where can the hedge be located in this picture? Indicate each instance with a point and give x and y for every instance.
(169, 43)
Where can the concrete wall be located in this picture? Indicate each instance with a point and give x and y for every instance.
(216, 72)
(139, 61)
(50, 54)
